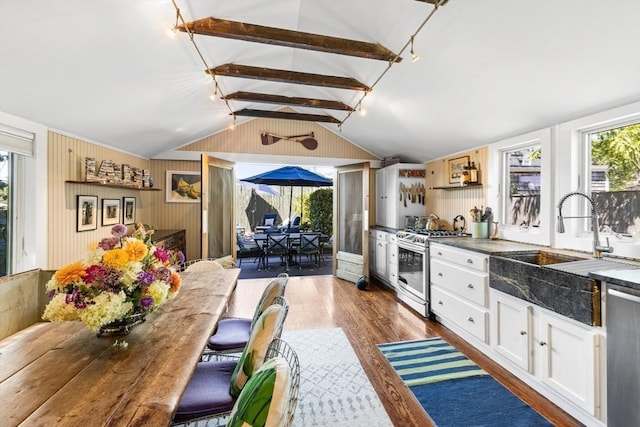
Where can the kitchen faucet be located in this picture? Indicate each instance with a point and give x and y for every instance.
(597, 248)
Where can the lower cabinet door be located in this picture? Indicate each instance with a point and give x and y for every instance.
(469, 317)
(567, 360)
(511, 329)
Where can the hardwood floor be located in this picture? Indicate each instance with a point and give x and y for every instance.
(372, 317)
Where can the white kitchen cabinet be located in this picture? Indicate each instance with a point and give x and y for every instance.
(556, 355)
(393, 205)
(381, 254)
(459, 290)
(512, 329)
(392, 259)
(567, 359)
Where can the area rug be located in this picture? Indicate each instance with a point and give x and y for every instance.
(334, 389)
(453, 390)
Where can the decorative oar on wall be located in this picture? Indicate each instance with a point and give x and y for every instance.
(308, 141)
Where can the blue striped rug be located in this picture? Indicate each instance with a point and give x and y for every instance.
(453, 390)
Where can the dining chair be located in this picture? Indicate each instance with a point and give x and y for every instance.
(198, 265)
(232, 333)
(270, 397)
(215, 385)
(309, 246)
(277, 244)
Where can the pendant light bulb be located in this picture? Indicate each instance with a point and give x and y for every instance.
(233, 125)
(171, 33)
(414, 56)
(363, 111)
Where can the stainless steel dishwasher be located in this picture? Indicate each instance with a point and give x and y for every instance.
(623, 356)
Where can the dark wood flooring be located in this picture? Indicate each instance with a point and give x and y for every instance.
(375, 316)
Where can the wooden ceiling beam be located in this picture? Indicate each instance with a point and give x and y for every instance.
(287, 100)
(285, 76)
(434, 2)
(281, 37)
(286, 116)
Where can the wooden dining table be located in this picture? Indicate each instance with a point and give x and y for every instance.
(63, 374)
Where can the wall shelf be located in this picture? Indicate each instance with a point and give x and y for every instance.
(128, 187)
(457, 187)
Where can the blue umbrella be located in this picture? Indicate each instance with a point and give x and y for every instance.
(260, 187)
(292, 176)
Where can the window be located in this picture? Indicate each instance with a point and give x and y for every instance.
(612, 161)
(5, 210)
(523, 173)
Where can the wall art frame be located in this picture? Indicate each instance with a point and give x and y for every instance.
(86, 213)
(128, 210)
(183, 187)
(111, 211)
(456, 166)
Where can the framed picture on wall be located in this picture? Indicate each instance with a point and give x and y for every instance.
(110, 211)
(456, 166)
(128, 210)
(87, 213)
(183, 187)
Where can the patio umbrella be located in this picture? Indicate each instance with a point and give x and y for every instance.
(260, 187)
(292, 176)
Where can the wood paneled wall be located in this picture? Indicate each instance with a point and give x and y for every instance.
(245, 138)
(22, 300)
(175, 215)
(449, 203)
(66, 162)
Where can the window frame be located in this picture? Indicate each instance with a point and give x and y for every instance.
(571, 137)
(497, 191)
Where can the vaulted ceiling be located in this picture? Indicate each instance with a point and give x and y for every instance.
(106, 71)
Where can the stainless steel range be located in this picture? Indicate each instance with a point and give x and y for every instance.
(413, 266)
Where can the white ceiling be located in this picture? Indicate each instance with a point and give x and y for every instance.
(107, 72)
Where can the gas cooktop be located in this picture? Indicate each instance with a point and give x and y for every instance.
(436, 233)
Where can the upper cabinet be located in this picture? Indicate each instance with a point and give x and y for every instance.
(400, 192)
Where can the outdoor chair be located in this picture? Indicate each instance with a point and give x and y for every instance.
(215, 385)
(246, 248)
(277, 244)
(292, 226)
(273, 402)
(268, 222)
(232, 333)
(309, 246)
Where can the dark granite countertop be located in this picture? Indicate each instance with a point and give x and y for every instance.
(487, 246)
(385, 229)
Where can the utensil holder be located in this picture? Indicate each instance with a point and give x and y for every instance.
(480, 230)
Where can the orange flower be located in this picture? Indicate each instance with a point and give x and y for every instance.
(70, 273)
(176, 282)
(115, 258)
(136, 249)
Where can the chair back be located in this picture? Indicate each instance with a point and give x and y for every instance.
(270, 396)
(274, 289)
(277, 244)
(310, 242)
(280, 348)
(269, 219)
(202, 265)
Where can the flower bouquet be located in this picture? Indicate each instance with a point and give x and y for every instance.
(123, 278)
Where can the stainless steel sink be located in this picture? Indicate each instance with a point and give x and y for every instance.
(541, 257)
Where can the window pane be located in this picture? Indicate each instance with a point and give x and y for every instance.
(350, 215)
(615, 177)
(523, 179)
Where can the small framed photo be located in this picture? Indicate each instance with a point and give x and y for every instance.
(456, 166)
(128, 210)
(183, 187)
(110, 211)
(87, 213)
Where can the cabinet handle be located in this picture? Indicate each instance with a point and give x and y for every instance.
(470, 286)
(542, 343)
(469, 261)
(440, 253)
(470, 319)
(440, 274)
(440, 302)
(523, 332)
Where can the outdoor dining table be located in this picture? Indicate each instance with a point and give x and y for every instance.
(294, 239)
(62, 374)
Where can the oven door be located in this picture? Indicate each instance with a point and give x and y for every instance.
(413, 274)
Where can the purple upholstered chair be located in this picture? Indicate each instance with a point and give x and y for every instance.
(233, 333)
(215, 385)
